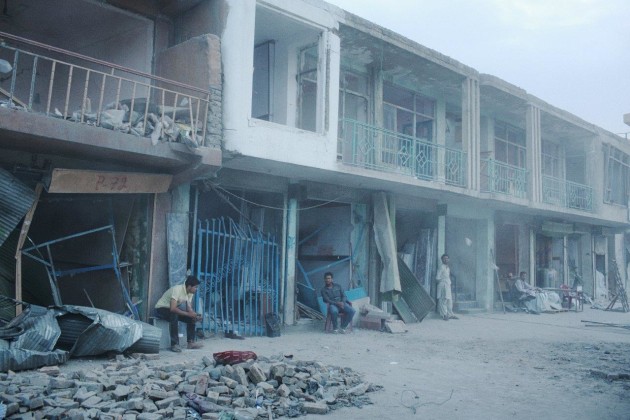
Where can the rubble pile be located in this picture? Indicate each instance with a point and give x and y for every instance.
(141, 387)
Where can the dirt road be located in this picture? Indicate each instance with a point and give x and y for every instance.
(482, 366)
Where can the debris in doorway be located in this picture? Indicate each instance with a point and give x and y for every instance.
(308, 312)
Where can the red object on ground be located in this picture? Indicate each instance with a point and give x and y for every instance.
(232, 357)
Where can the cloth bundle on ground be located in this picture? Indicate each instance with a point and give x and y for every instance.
(233, 357)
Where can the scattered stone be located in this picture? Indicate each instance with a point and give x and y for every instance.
(130, 388)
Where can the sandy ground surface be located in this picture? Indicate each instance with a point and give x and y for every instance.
(482, 366)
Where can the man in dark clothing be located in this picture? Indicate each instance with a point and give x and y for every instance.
(336, 300)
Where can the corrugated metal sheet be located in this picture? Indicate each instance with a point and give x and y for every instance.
(419, 301)
(41, 331)
(15, 201)
(150, 341)
(20, 359)
(108, 332)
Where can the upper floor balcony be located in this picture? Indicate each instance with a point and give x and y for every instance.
(59, 102)
(502, 178)
(567, 194)
(384, 150)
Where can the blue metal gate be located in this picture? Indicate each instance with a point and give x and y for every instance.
(239, 272)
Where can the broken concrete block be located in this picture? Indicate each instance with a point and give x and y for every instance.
(359, 389)
(315, 407)
(256, 374)
(240, 376)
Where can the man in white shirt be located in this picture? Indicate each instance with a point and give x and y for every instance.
(176, 305)
(444, 294)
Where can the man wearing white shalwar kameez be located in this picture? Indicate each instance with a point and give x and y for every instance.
(444, 295)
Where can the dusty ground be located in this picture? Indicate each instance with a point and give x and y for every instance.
(482, 366)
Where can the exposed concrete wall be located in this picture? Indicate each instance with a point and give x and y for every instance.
(197, 62)
(158, 271)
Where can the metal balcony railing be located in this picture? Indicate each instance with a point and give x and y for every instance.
(567, 194)
(74, 87)
(499, 177)
(384, 150)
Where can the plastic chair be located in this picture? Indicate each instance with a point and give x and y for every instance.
(328, 325)
(569, 296)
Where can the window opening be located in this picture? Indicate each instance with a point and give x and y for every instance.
(509, 144)
(552, 159)
(412, 115)
(307, 88)
(262, 86)
(617, 175)
(353, 107)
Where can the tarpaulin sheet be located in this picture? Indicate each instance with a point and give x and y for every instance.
(385, 244)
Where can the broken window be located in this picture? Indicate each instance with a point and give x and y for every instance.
(617, 175)
(262, 86)
(307, 88)
(552, 162)
(509, 144)
(412, 115)
(453, 129)
(353, 108)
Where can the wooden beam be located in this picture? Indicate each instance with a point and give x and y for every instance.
(26, 225)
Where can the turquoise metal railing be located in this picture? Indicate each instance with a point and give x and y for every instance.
(499, 177)
(567, 194)
(384, 150)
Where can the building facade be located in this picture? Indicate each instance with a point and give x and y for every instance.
(329, 144)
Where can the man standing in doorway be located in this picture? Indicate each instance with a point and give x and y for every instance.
(444, 295)
(336, 300)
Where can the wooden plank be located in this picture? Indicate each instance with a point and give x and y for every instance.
(105, 182)
(26, 225)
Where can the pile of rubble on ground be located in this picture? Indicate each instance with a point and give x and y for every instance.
(141, 387)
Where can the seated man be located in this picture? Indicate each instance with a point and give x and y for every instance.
(535, 299)
(176, 305)
(336, 300)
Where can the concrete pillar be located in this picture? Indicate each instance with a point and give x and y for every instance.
(486, 261)
(440, 138)
(238, 61)
(532, 259)
(471, 131)
(441, 235)
(291, 252)
(328, 101)
(534, 148)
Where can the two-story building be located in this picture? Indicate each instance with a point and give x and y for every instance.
(299, 139)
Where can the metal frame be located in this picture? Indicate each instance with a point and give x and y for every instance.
(54, 273)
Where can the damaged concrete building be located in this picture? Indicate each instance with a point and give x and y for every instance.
(259, 144)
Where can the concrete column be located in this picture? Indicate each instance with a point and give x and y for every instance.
(620, 257)
(534, 149)
(440, 138)
(471, 131)
(291, 252)
(486, 283)
(237, 52)
(377, 103)
(441, 237)
(330, 59)
(532, 259)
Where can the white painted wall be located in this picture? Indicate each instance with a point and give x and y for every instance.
(279, 141)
